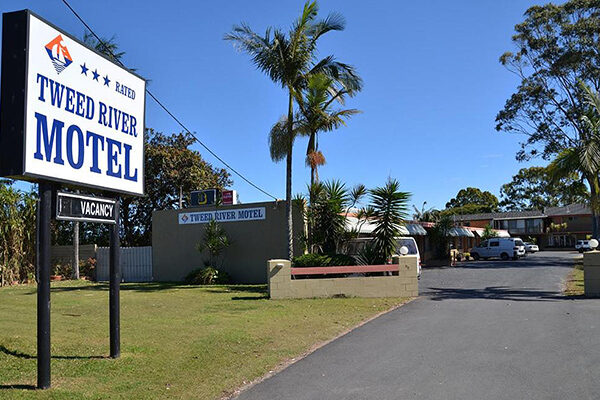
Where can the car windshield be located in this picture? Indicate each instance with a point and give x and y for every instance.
(409, 243)
(518, 242)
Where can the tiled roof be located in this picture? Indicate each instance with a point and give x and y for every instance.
(501, 215)
(571, 209)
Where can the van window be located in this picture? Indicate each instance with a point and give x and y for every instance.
(409, 243)
(483, 244)
(494, 243)
(518, 242)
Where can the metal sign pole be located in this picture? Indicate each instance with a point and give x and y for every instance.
(115, 282)
(43, 286)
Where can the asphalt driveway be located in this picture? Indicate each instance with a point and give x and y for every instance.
(483, 330)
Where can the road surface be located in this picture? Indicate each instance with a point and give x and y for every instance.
(483, 330)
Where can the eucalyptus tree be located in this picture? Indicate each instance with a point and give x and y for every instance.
(556, 50)
(289, 60)
(584, 156)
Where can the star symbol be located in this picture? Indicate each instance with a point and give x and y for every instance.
(106, 80)
(84, 69)
(96, 74)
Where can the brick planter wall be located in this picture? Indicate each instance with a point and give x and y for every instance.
(591, 273)
(282, 286)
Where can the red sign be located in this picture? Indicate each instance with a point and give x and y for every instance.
(228, 197)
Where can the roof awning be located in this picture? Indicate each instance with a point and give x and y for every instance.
(369, 226)
(459, 231)
(499, 232)
(413, 230)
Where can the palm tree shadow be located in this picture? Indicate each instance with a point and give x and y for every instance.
(493, 293)
(19, 354)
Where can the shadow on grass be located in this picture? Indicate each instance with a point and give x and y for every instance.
(157, 287)
(263, 297)
(19, 354)
(17, 387)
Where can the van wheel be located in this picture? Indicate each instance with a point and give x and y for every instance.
(504, 256)
(475, 256)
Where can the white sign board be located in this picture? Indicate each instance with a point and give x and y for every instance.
(203, 217)
(84, 114)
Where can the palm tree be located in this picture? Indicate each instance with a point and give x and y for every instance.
(425, 214)
(290, 60)
(584, 158)
(317, 116)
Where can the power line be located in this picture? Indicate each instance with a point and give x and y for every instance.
(106, 48)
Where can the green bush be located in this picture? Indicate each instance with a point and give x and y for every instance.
(341, 259)
(207, 276)
(323, 260)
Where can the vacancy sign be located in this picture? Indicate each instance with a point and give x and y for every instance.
(68, 113)
(76, 207)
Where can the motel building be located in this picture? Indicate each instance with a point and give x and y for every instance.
(553, 227)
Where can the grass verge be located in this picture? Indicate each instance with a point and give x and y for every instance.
(176, 341)
(574, 284)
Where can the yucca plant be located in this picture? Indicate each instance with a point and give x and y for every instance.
(389, 211)
(215, 241)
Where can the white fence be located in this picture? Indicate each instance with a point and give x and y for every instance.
(136, 264)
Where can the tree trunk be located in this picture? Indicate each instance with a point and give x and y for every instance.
(288, 177)
(594, 206)
(180, 197)
(75, 250)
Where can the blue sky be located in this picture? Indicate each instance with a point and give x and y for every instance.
(433, 85)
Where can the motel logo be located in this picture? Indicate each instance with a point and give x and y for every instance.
(59, 54)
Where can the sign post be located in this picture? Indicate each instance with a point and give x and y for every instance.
(43, 287)
(114, 289)
(69, 115)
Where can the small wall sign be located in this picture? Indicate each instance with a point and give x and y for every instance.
(203, 217)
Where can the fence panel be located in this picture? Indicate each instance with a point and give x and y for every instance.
(136, 264)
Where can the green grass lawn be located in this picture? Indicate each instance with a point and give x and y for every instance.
(176, 341)
(574, 285)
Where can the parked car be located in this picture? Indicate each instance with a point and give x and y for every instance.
(413, 249)
(531, 247)
(355, 246)
(583, 245)
(504, 248)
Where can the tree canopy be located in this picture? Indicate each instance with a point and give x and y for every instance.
(170, 166)
(534, 189)
(557, 49)
(472, 201)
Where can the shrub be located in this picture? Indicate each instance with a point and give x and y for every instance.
(341, 259)
(323, 260)
(88, 268)
(369, 255)
(207, 276)
(311, 260)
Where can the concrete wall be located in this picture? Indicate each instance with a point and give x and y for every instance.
(174, 246)
(281, 285)
(64, 254)
(591, 273)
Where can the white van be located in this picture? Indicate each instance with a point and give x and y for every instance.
(504, 248)
(356, 245)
